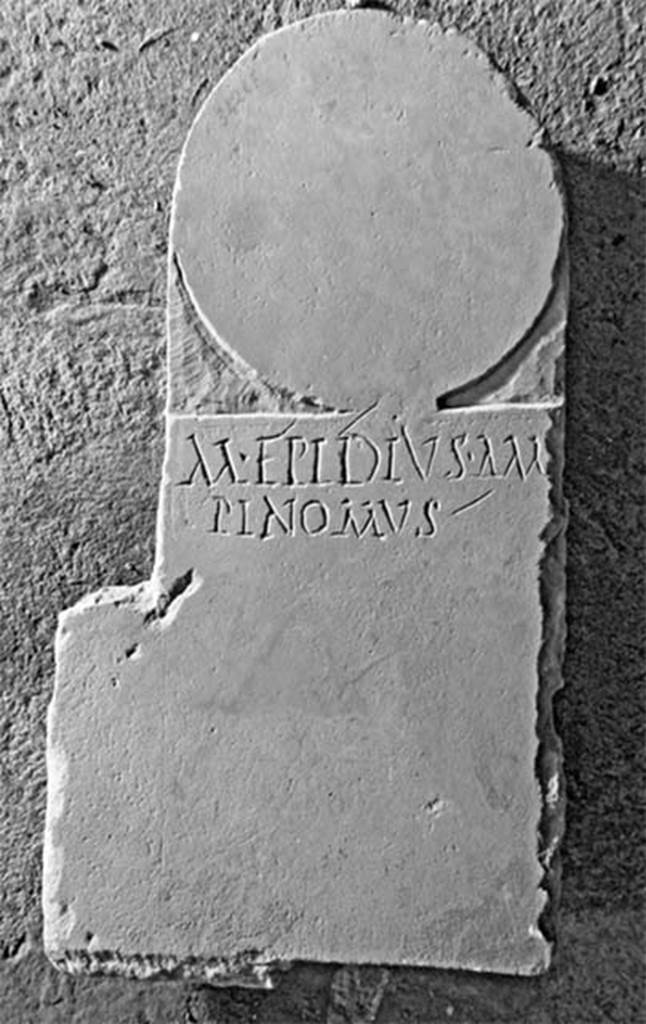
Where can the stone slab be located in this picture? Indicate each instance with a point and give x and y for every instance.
(323, 729)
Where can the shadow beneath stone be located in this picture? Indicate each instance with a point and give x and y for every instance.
(600, 713)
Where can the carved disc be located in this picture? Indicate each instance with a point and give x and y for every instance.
(362, 211)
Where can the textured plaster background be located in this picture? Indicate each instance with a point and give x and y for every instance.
(96, 99)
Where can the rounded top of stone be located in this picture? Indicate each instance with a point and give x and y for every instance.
(362, 211)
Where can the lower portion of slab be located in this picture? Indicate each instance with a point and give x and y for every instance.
(240, 831)
(317, 747)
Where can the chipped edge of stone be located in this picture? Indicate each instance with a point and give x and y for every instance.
(58, 920)
(244, 970)
(157, 603)
(549, 755)
(532, 371)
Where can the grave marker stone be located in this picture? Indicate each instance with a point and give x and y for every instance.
(323, 729)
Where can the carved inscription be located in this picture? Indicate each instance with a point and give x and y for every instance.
(315, 478)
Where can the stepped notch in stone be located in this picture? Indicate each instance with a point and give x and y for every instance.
(323, 730)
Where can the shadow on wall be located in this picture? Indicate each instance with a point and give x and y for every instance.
(601, 710)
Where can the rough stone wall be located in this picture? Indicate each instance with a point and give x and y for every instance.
(96, 99)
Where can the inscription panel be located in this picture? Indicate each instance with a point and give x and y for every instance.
(366, 477)
(346, 477)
